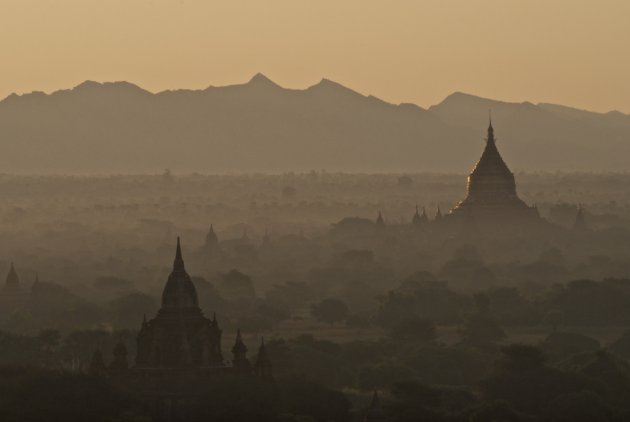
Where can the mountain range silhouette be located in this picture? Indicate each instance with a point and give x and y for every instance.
(259, 126)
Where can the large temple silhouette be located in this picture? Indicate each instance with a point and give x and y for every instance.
(180, 335)
(491, 201)
(178, 351)
(491, 190)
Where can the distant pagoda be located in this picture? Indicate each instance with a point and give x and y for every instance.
(492, 190)
(178, 353)
(12, 296)
(180, 336)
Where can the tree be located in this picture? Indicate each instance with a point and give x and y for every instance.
(405, 182)
(562, 344)
(79, 345)
(481, 328)
(289, 192)
(330, 311)
(522, 378)
(237, 286)
(414, 330)
(254, 323)
(35, 394)
(580, 406)
(210, 299)
(127, 310)
(274, 313)
(49, 340)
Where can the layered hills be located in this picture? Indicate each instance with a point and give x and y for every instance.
(260, 126)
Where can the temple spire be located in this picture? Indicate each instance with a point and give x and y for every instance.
(379, 220)
(490, 137)
(375, 411)
(262, 366)
(36, 284)
(416, 216)
(211, 237)
(178, 264)
(239, 352)
(580, 221)
(424, 216)
(239, 347)
(266, 241)
(97, 364)
(438, 214)
(12, 277)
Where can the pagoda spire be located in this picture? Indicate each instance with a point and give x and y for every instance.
(375, 411)
(424, 216)
(12, 277)
(239, 352)
(416, 217)
(379, 220)
(211, 237)
(490, 137)
(580, 221)
(266, 241)
(97, 364)
(178, 264)
(262, 367)
(438, 214)
(239, 348)
(36, 283)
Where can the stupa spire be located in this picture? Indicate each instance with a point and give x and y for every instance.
(490, 137)
(12, 277)
(262, 365)
(178, 264)
(580, 221)
(379, 220)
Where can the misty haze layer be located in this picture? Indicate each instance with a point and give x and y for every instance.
(262, 127)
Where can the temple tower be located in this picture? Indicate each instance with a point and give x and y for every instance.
(179, 336)
(491, 189)
(379, 220)
(580, 221)
(262, 366)
(12, 284)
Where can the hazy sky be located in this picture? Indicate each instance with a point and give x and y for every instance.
(573, 52)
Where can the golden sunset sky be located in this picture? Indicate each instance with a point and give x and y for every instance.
(572, 52)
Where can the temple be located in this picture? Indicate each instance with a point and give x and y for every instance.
(491, 190)
(418, 219)
(12, 296)
(180, 335)
(379, 220)
(178, 352)
(580, 221)
(212, 240)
